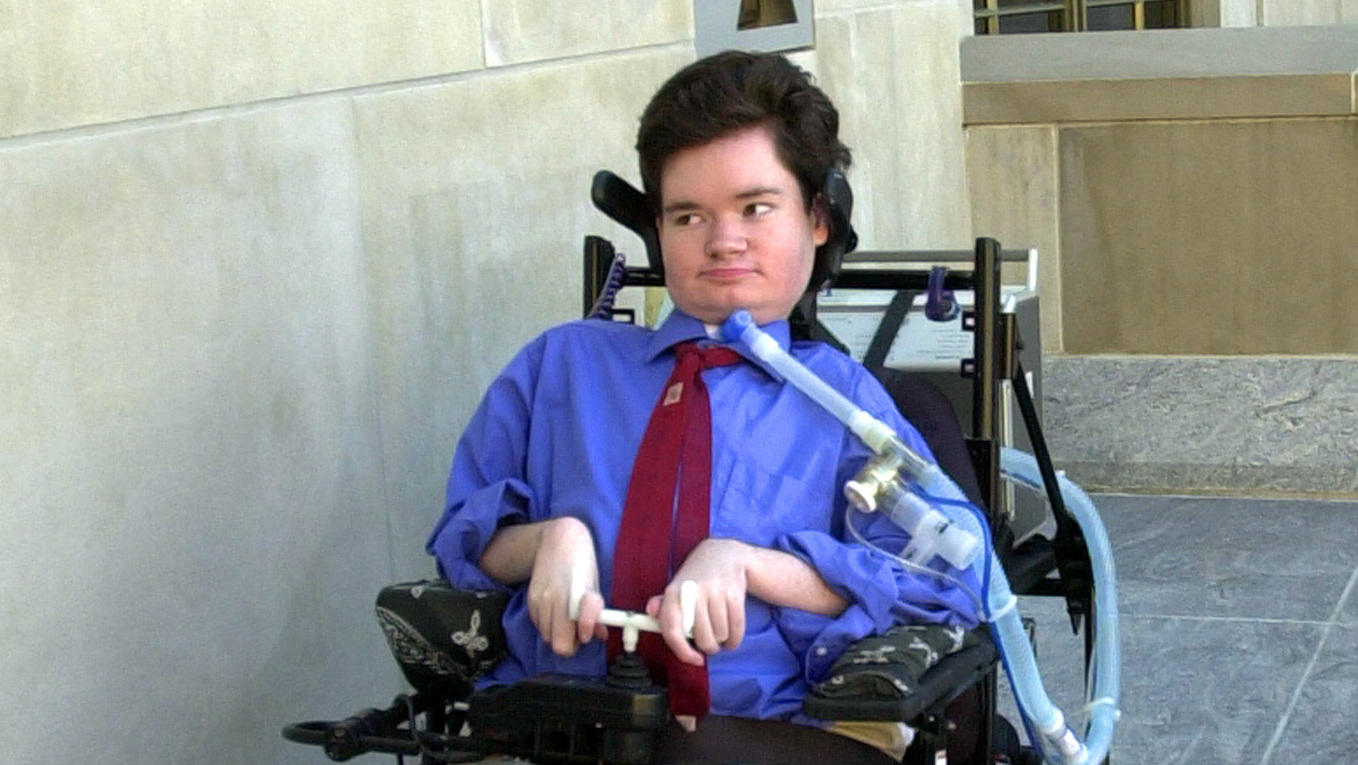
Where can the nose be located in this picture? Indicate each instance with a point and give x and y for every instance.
(725, 237)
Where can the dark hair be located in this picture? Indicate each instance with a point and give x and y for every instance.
(728, 92)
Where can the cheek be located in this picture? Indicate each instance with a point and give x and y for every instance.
(673, 256)
(798, 269)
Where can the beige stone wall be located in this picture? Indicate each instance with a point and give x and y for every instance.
(1204, 238)
(259, 261)
(69, 64)
(893, 71)
(1192, 192)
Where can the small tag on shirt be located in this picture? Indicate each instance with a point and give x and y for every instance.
(675, 393)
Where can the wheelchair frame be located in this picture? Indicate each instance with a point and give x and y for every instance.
(995, 358)
(1029, 566)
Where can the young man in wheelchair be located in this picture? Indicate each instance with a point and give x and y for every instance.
(566, 479)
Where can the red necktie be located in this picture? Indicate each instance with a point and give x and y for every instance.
(658, 532)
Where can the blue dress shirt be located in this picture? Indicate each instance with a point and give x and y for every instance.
(558, 430)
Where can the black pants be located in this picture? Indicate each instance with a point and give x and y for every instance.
(741, 741)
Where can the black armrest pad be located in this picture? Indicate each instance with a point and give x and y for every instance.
(442, 637)
(939, 685)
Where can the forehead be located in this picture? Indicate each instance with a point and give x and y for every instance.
(725, 167)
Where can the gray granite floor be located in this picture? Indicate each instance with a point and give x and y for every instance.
(1240, 631)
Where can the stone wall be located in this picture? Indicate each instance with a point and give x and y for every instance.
(1192, 195)
(259, 260)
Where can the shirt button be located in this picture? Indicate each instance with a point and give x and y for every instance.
(821, 650)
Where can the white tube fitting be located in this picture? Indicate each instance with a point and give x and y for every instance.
(633, 623)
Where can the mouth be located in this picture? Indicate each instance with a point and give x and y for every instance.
(727, 273)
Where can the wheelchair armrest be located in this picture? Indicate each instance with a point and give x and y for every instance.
(442, 637)
(937, 686)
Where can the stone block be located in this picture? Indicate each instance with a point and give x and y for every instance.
(1210, 237)
(1171, 74)
(69, 63)
(894, 74)
(1012, 180)
(476, 202)
(191, 471)
(1257, 426)
(520, 31)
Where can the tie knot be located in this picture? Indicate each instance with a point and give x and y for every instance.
(707, 357)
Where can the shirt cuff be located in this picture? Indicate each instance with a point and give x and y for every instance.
(461, 538)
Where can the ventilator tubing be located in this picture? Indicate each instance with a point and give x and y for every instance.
(1059, 742)
(1105, 687)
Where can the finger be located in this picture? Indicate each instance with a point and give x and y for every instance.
(653, 606)
(563, 630)
(719, 621)
(588, 627)
(672, 627)
(703, 636)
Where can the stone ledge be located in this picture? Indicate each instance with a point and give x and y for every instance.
(1255, 425)
(1169, 74)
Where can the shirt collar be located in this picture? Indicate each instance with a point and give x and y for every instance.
(679, 326)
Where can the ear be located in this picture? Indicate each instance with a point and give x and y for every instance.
(820, 221)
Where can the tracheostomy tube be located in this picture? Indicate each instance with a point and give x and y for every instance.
(878, 436)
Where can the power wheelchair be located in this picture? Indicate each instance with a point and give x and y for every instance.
(444, 639)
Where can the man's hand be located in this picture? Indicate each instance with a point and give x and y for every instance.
(565, 554)
(718, 568)
(726, 571)
(551, 555)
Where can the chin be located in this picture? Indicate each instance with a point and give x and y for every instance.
(716, 314)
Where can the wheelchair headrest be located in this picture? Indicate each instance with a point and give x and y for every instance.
(627, 205)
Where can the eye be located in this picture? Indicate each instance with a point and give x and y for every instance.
(758, 209)
(685, 219)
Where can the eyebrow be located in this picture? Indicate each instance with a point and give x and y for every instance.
(685, 205)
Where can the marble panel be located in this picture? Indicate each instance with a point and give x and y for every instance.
(1320, 726)
(69, 63)
(1260, 425)
(1186, 695)
(191, 520)
(1012, 181)
(1209, 237)
(1180, 688)
(476, 202)
(519, 31)
(1237, 558)
(893, 73)
(1348, 14)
